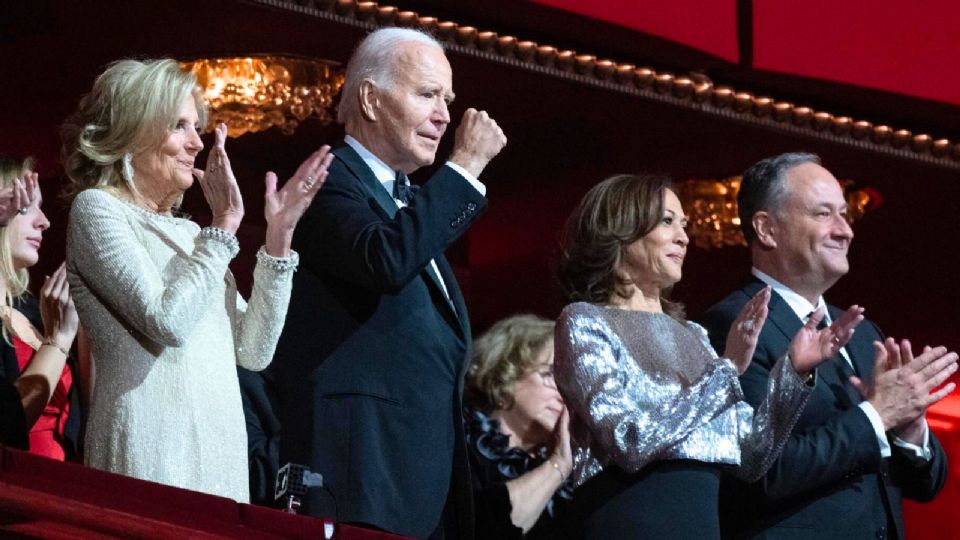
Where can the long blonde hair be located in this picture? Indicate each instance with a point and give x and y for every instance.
(17, 280)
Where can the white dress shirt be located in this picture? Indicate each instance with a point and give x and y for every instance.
(803, 309)
(387, 177)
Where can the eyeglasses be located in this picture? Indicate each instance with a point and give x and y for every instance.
(547, 376)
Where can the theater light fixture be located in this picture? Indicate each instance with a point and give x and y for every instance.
(255, 93)
(711, 208)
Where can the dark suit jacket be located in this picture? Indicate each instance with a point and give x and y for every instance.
(260, 409)
(830, 481)
(371, 361)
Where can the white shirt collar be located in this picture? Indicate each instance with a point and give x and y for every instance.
(800, 305)
(383, 173)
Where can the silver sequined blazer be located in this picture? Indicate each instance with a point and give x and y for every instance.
(643, 387)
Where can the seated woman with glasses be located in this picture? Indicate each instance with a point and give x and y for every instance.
(517, 431)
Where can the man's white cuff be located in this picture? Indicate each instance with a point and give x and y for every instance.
(877, 424)
(919, 452)
(477, 184)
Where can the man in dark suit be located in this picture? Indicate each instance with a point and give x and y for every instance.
(861, 443)
(371, 363)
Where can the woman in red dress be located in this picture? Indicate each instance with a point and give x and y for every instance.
(34, 360)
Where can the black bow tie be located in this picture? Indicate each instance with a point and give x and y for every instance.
(401, 188)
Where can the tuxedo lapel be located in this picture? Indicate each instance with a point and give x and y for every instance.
(355, 164)
(458, 318)
(434, 281)
(448, 305)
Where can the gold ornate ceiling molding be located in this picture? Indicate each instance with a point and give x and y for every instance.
(257, 92)
(687, 92)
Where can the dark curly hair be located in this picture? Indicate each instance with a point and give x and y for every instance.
(612, 215)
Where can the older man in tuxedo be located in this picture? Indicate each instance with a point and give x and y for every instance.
(861, 443)
(372, 359)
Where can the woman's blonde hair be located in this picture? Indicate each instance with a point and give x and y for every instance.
(506, 353)
(17, 280)
(131, 108)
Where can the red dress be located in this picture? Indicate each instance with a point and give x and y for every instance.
(46, 434)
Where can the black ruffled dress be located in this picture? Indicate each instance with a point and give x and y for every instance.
(492, 463)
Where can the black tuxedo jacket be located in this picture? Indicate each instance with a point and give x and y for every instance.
(371, 361)
(830, 481)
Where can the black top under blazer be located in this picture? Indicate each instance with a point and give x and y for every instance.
(371, 361)
(830, 481)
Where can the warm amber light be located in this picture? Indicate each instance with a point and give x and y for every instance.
(255, 93)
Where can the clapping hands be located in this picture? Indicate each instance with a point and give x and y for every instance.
(21, 194)
(810, 346)
(745, 330)
(903, 386)
(219, 186)
(284, 208)
(561, 451)
(60, 321)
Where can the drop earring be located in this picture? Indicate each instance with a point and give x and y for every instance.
(128, 168)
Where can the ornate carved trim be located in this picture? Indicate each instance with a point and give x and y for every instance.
(687, 92)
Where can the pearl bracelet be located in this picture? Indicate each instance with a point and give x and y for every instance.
(227, 239)
(278, 264)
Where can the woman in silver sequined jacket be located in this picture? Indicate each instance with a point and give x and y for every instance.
(656, 416)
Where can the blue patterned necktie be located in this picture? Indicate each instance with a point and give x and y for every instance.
(401, 188)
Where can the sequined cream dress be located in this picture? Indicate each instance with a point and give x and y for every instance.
(655, 414)
(167, 328)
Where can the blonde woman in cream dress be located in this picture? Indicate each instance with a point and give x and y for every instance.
(164, 323)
